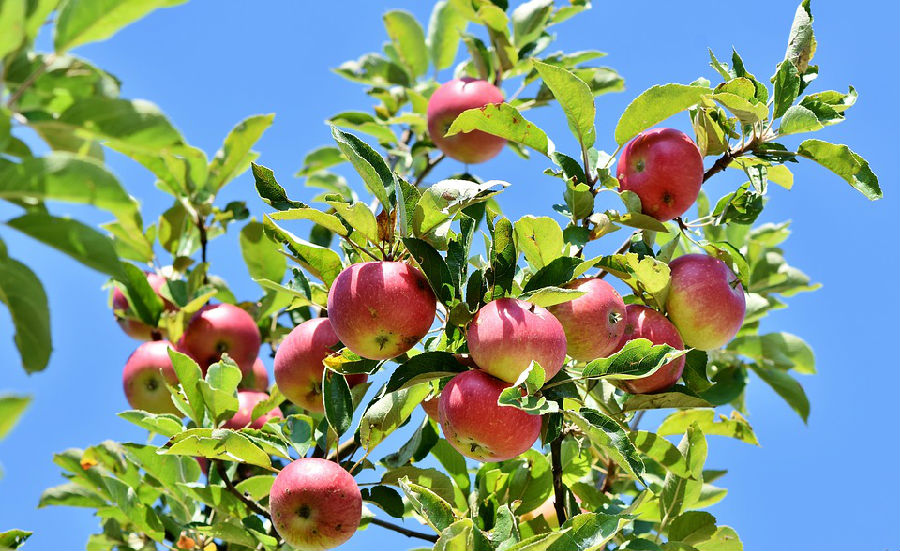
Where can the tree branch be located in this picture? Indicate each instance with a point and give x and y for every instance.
(343, 451)
(401, 530)
(30, 80)
(559, 495)
(252, 505)
(428, 167)
(726, 158)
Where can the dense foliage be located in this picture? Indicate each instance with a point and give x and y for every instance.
(595, 479)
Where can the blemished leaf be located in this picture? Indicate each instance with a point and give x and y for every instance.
(233, 158)
(386, 498)
(440, 202)
(79, 241)
(444, 30)
(368, 163)
(504, 120)
(841, 160)
(270, 190)
(360, 218)
(434, 267)
(23, 294)
(782, 350)
(734, 426)
(801, 41)
(82, 21)
(540, 239)
(261, 253)
(436, 512)
(575, 98)
(787, 387)
(409, 40)
(386, 413)
(11, 408)
(422, 368)
(433, 479)
(655, 105)
(165, 424)
(320, 159)
(612, 438)
(337, 401)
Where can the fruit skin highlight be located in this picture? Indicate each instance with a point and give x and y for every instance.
(507, 334)
(446, 103)
(477, 426)
(247, 400)
(706, 301)
(381, 309)
(647, 323)
(315, 504)
(218, 329)
(144, 378)
(664, 167)
(593, 322)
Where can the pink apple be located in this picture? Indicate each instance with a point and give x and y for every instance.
(477, 426)
(447, 102)
(146, 373)
(706, 301)
(257, 378)
(298, 363)
(593, 322)
(315, 504)
(663, 166)
(381, 309)
(507, 334)
(431, 407)
(646, 323)
(132, 327)
(247, 400)
(217, 329)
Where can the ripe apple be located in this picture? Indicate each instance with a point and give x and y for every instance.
(647, 323)
(381, 309)
(663, 166)
(257, 378)
(477, 426)
(247, 400)
(217, 329)
(298, 363)
(446, 103)
(146, 373)
(593, 322)
(132, 327)
(315, 504)
(430, 406)
(507, 334)
(706, 301)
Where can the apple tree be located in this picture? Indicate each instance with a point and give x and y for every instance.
(532, 370)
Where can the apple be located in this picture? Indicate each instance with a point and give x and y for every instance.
(381, 309)
(132, 327)
(430, 405)
(647, 323)
(507, 334)
(664, 167)
(247, 400)
(146, 373)
(298, 363)
(446, 103)
(257, 378)
(477, 426)
(315, 504)
(217, 329)
(593, 322)
(705, 302)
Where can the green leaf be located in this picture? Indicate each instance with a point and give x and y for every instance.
(433, 265)
(444, 30)
(142, 298)
(189, 375)
(359, 217)
(433, 479)
(843, 162)
(556, 273)
(612, 438)
(320, 159)
(787, 387)
(11, 408)
(165, 424)
(442, 201)
(504, 120)
(678, 396)
(338, 401)
(551, 296)
(369, 164)
(327, 221)
(529, 20)
(365, 123)
(724, 539)
(386, 413)
(219, 389)
(422, 368)
(459, 536)
(222, 444)
(575, 98)
(82, 21)
(503, 259)
(692, 527)
(71, 495)
(734, 426)
(321, 262)
(781, 350)
(436, 512)
(539, 239)
(679, 493)
(747, 111)
(12, 21)
(270, 190)
(13, 539)
(234, 156)
(801, 41)
(645, 275)
(655, 105)
(589, 531)
(79, 241)
(637, 359)
(660, 450)
(409, 40)
(261, 253)
(22, 293)
(787, 87)
(388, 499)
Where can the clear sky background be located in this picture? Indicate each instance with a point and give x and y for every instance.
(208, 64)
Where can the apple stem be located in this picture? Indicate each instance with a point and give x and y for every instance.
(401, 530)
(559, 494)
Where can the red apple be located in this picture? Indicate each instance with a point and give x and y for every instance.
(447, 102)
(146, 373)
(477, 426)
(298, 363)
(247, 400)
(507, 334)
(381, 309)
(132, 327)
(315, 504)
(663, 166)
(431, 407)
(647, 323)
(257, 378)
(706, 301)
(593, 322)
(217, 329)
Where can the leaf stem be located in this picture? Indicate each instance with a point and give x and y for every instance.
(252, 505)
(401, 530)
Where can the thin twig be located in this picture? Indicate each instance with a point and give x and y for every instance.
(622, 248)
(401, 530)
(558, 489)
(428, 168)
(343, 451)
(252, 505)
(30, 80)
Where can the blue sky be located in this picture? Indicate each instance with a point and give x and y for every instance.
(210, 64)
